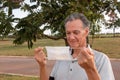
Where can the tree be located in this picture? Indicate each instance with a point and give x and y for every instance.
(53, 12)
(5, 24)
(28, 30)
(10, 4)
(6, 18)
(113, 21)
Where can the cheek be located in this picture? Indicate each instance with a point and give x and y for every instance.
(81, 38)
(68, 39)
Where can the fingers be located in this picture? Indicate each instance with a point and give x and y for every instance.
(38, 49)
(85, 52)
(40, 56)
(85, 57)
(39, 52)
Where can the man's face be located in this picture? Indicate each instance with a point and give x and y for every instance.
(76, 34)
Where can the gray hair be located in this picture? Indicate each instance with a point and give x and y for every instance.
(80, 16)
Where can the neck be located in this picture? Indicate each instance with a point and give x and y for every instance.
(77, 51)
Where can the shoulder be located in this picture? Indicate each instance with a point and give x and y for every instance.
(103, 65)
(101, 58)
(100, 55)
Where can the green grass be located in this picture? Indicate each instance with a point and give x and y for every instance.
(11, 77)
(110, 46)
(7, 48)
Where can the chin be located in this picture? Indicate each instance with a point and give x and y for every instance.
(74, 47)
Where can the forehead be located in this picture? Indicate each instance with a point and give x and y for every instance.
(74, 24)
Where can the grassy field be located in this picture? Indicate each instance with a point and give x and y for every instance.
(7, 47)
(10, 77)
(110, 46)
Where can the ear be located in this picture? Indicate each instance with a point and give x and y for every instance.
(86, 31)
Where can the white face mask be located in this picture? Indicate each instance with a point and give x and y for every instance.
(58, 53)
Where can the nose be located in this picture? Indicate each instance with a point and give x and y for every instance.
(71, 36)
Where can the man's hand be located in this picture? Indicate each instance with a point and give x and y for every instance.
(41, 59)
(40, 56)
(86, 58)
(86, 61)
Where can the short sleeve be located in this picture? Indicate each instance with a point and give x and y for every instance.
(104, 67)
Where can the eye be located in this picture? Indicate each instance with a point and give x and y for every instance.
(76, 32)
(67, 33)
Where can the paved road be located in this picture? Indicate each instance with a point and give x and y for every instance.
(29, 67)
(21, 66)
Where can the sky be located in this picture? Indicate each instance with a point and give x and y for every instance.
(20, 14)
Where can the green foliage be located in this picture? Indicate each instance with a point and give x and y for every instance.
(10, 4)
(26, 32)
(51, 14)
(5, 24)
